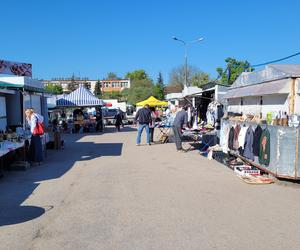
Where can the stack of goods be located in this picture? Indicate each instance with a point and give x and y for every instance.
(252, 179)
(234, 162)
(246, 118)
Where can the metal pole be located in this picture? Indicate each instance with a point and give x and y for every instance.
(185, 68)
(185, 56)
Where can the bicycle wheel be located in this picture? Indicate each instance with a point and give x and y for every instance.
(186, 143)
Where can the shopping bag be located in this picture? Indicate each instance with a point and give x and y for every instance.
(39, 129)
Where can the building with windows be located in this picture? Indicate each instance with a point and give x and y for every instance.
(108, 85)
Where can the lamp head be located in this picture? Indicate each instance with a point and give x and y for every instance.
(174, 38)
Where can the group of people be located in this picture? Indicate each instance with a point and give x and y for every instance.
(146, 117)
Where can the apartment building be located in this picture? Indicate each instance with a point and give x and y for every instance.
(108, 85)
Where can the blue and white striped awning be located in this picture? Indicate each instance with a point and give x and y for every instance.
(81, 97)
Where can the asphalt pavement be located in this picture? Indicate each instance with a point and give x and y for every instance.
(104, 192)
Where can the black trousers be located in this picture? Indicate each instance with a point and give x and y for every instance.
(177, 137)
(151, 134)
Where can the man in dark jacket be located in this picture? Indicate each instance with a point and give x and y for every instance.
(143, 117)
(181, 120)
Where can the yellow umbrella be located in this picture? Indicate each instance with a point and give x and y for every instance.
(152, 102)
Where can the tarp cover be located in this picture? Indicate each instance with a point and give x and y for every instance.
(271, 72)
(152, 102)
(22, 82)
(267, 88)
(81, 97)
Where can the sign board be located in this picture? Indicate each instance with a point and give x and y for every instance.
(15, 68)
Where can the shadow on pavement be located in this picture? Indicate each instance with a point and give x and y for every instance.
(16, 187)
(112, 129)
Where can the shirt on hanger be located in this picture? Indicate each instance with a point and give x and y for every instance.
(248, 146)
(264, 147)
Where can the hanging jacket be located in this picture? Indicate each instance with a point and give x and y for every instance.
(236, 136)
(264, 148)
(256, 140)
(242, 137)
(248, 146)
(230, 138)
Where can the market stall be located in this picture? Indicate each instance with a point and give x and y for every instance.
(24, 92)
(262, 121)
(76, 101)
(18, 91)
(152, 102)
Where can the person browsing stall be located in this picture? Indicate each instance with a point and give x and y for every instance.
(180, 121)
(35, 148)
(152, 124)
(143, 117)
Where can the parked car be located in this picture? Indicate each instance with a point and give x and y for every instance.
(109, 116)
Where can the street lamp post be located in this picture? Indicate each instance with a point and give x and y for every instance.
(185, 55)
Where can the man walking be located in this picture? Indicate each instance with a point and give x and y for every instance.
(143, 117)
(181, 120)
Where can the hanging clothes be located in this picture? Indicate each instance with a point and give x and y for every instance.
(230, 138)
(237, 130)
(242, 136)
(256, 140)
(264, 148)
(213, 112)
(248, 146)
(224, 137)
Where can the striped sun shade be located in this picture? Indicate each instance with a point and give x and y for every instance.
(81, 97)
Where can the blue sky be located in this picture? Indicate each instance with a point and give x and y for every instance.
(91, 38)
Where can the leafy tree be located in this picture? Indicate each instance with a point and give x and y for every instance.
(139, 74)
(124, 95)
(200, 78)
(98, 91)
(141, 86)
(177, 75)
(111, 95)
(233, 70)
(112, 76)
(158, 88)
(140, 90)
(54, 89)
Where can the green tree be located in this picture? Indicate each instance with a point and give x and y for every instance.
(139, 74)
(112, 76)
(124, 95)
(98, 91)
(233, 70)
(200, 78)
(140, 90)
(111, 95)
(141, 86)
(158, 88)
(54, 89)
